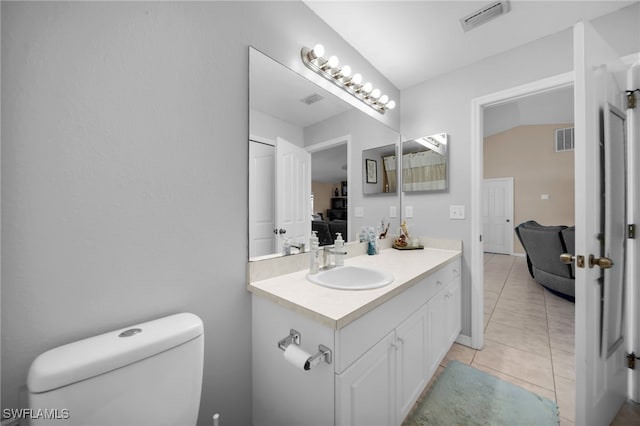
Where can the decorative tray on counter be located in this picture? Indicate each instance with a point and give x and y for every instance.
(397, 247)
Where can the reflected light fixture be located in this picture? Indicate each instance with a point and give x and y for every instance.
(341, 77)
(437, 142)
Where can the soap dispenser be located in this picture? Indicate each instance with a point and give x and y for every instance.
(339, 249)
(314, 254)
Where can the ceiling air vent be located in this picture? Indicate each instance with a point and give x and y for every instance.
(565, 139)
(311, 99)
(484, 14)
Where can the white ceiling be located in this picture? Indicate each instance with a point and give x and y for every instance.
(412, 41)
(277, 91)
(553, 107)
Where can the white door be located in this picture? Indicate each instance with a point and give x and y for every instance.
(497, 215)
(293, 193)
(262, 198)
(601, 379)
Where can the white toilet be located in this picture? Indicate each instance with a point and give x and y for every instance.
(146, 374)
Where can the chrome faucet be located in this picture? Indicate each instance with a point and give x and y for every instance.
(300, 247)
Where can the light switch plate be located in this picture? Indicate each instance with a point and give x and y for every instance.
(456, 212)
(408, 211)
(392, 211)
(358, 212)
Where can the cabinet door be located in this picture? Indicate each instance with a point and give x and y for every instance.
(365, 392)
(412, 362)
(437, 331)
(454, 311)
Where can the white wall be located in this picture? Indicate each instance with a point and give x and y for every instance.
(365, 133)
(124, 173)
(443, 104)
(270, 127)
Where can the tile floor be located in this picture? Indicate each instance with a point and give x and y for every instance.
(529, 338)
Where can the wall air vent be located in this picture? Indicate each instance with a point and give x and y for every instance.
(485, 14)
(311, 99)
(564, 139)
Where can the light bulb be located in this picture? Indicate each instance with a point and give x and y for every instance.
(357, 78)
(346, 71)
(383, 99)
(333, 62)
(317, 51)
(390, 105)
(375, 94)
(367, 87)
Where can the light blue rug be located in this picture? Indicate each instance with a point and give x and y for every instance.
(463, 395)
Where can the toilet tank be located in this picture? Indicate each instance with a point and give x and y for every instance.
(145, 374)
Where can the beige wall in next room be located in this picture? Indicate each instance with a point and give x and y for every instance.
(322, 193)
(527, 153)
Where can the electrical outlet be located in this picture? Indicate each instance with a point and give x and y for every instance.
(456, 212)
(408, 211)
(392, 211)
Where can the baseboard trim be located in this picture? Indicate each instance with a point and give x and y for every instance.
(465, 341)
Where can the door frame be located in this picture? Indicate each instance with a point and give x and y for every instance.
(556, 82)
(321, 146)
(510, 186)
(633, 214)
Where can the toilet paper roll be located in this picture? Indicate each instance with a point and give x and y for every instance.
(296, 356)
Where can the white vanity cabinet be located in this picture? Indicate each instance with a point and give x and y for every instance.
(444, 311)
(381, 361)
(382, 385)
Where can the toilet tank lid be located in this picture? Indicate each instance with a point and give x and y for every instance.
(96, 355)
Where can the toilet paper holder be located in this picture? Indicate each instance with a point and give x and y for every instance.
(294, 337)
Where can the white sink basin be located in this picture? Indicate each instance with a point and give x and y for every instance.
(351, 278)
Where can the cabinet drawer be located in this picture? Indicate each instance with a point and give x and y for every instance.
(356, 338)
(443, 276)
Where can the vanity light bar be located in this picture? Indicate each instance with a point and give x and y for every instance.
(341, 77)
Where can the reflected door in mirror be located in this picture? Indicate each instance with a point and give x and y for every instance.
(262, 220)
(293, 193)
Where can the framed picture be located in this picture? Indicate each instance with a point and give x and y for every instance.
(372, 171)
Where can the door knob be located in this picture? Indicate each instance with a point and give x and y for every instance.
(282, 231)
(567, 258)
(602, 262)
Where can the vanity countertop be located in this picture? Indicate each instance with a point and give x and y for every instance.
(337, 308)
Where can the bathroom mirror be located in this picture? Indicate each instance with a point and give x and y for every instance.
(379, 166)
(425, 163)
(304, 162)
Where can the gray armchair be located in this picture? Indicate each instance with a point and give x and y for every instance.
(543, 245)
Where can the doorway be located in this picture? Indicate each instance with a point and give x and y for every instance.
(330, 177)
(477, 176)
